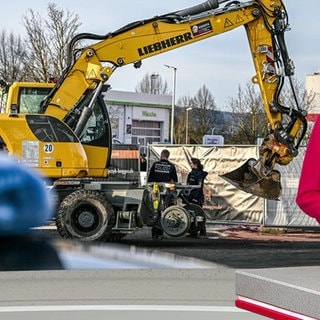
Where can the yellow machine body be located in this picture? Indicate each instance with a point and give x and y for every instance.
(264, 21)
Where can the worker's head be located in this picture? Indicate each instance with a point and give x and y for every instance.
(195, 162)
(164, 154)
(24, 200)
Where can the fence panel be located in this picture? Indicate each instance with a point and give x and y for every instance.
(224, 203)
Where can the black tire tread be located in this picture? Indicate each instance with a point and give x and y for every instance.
(74, 197)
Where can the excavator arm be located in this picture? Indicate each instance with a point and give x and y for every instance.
(265, 22)
(287, 125)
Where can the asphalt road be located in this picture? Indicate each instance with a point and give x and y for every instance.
(237, 248)
(240, 249)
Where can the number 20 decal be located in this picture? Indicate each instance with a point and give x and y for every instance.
(48, 148)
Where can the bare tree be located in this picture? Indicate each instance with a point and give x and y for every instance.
(180, 118)
(302, 98)
(153, 84)
(249, 117)
(201, 119)
(203, 116)
(12, 57)
(47, 41)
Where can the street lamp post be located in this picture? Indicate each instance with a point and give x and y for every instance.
(187, 123)
(173, 100)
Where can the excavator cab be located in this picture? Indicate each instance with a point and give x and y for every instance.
(26, 97)
(46, 142)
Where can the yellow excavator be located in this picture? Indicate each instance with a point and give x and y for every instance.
(67, 134)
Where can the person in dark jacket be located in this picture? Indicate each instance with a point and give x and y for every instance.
(196, 177)
(143, 162)
(161, 171)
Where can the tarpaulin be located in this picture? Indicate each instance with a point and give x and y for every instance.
(224, 202)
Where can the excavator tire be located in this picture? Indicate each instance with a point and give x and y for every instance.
(85, 215)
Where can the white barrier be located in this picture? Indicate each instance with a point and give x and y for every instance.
(227, 204)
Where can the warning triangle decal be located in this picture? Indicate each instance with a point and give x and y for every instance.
(227, 23)
(239, 20)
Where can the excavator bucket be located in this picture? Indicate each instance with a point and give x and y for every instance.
(246, 179)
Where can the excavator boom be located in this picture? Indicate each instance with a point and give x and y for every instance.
(265, 22)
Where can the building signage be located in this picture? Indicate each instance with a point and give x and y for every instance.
(149, 114)
(213, 139)
(164, 44)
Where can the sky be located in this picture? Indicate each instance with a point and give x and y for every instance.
(221, 63)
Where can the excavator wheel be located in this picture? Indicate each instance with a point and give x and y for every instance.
(175, 221)
(85, 215)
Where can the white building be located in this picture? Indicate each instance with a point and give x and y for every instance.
(313, 87)
(139, 118)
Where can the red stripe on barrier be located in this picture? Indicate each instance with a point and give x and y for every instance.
(269, 311)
